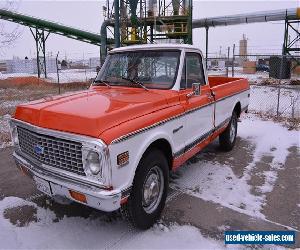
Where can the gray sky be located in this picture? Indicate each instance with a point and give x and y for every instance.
(263, 37)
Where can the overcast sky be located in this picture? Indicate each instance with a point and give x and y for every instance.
(262, 37)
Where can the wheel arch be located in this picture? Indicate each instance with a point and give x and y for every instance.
(163, 145)
(161, 142)
(238, 108)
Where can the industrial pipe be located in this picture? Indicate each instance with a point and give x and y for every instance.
(49, 26)
(103, 35)
(262, 16)
(117, 23)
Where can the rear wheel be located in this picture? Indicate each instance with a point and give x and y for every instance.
(149, 190)
(228, 137)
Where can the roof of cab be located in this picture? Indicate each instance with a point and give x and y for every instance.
(155, 46)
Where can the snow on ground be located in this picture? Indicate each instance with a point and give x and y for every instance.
(93, 233)
(4, 76)
(258, 76)
(73, 75)
(69, 75)
(4, 131)
(215, 182)
(265, 98)
(218, 183)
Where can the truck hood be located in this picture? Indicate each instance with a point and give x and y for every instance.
(93, 111)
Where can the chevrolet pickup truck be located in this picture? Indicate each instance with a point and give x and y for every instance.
(149, 110)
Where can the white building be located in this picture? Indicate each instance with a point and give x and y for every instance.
(29, 66)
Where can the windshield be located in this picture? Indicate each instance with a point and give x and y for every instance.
(153, 69)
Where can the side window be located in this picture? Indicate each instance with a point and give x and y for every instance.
(183, 77)
(194, 69)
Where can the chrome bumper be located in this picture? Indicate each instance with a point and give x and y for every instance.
(96, 197)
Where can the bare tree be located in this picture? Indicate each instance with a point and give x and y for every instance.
(9, 32)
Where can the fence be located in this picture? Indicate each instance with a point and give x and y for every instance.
(270, 92)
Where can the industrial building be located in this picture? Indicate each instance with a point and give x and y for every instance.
(29, 66)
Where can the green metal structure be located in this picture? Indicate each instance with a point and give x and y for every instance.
(41, 29)
(51, 27)
(292, 39)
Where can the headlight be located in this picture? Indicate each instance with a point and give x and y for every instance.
(96, 162)
(14, 134)
(93, 162)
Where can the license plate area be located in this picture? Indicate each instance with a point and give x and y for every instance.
(42, 185)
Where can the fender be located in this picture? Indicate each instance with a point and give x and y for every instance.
(136, 146)
(157, 135)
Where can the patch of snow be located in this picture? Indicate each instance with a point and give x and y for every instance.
(270, 138)
(270, 179)
(93, 233)
(4, 123)
(9, 104)
(5, 144)
(217, 183)
(223, 228)
(8, 75)
(176, 237)
(4, 131)
(65, 76)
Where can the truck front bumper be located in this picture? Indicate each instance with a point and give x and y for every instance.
(58, 185)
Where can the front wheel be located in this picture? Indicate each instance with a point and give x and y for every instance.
(149, 191)
(228, 137)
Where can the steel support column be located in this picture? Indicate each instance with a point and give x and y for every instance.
(292, 39)
(190, 23)
(40, 42)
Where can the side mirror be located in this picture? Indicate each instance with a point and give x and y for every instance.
(196, 90)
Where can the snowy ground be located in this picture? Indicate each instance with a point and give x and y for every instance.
(92, 233)
(212, 177)
(65, 76)
(257, 77)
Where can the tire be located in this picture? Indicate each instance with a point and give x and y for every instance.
(151, 179)
(228, 137)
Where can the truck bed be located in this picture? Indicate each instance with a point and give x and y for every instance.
(220, 80)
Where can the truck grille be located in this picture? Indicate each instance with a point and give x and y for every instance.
(52, 151)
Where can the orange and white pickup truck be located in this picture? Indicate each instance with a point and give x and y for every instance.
(150, 109)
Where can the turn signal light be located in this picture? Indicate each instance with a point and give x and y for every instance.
(123, 158)
(78, 196)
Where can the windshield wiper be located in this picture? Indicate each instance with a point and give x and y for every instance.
(103, 81)
(136, 82)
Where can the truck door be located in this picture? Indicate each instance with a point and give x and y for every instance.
(198, 109)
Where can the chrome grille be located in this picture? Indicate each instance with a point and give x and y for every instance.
(52, 151)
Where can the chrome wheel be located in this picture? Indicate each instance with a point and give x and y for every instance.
(232, 132)
(153, 189)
